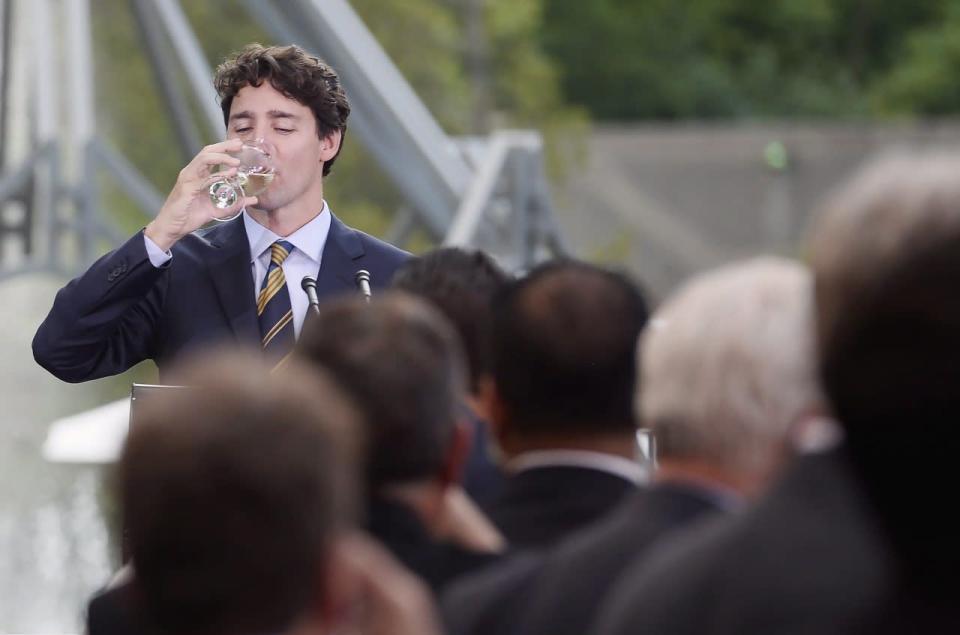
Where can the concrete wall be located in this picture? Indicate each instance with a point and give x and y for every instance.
(670, 200)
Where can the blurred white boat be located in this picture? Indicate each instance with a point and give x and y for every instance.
(92, 437)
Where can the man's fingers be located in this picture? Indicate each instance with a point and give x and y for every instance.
(228, 145)
(205, 163)
(219, 176)
(211, 160)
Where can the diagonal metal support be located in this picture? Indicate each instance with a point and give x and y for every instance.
(131, 181)
(491, 194)
(187, 48)
(509, 192)
(157, 48)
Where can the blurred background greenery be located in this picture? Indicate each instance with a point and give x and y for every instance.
(558, 65)
(500, 77)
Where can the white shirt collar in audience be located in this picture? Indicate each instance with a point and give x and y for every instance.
(601, 461)
(309, 239)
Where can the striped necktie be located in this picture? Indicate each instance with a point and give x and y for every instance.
(273, 306)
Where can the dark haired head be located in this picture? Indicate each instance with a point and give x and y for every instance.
(401, 362)
(232, 491)
(462, 284)
(564, 349)
(886, 258)
(294, 73)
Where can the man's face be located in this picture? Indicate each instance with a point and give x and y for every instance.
(289, 131)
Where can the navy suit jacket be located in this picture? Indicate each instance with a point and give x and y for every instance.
(124, 310)
(557, 593)
(540, 506)
(811, 557)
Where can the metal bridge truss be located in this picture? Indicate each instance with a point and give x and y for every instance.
(490, 193)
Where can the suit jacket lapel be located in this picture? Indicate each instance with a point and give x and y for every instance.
(338, 265)
(230, 270)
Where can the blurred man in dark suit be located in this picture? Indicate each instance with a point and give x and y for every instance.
(239, 494)
(561, 399)
(726, 370)
(400, 360)
(848, 541)
(172, 290)
(463, 284)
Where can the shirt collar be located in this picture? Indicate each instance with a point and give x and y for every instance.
(617, 465)
(309, 239)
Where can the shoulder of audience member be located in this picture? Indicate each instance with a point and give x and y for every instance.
(655, 594)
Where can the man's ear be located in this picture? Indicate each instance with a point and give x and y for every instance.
(458, 450)
(335, 599)
(330, 145)
(492, 408)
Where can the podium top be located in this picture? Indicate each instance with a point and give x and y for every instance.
(141, 393)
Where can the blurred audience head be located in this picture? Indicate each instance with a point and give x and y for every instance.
(886, 259)
(727, 368)
(462, 284)
(563, 354)
(233, 493)
(401, 361)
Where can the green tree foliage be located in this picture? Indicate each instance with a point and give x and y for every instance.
(624, 59)
(925, 81)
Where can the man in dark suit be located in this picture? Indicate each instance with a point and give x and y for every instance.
(722, 432)
(240, 498)
(739, 341)
(401, 362)
(463, 284)
(561, 399)
(171, 290)
(848, 542)
(560, 402)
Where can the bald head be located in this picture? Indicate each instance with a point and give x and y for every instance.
(564, 340)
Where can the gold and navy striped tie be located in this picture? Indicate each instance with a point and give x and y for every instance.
(273, 306)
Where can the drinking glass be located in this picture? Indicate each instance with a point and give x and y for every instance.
(254, 175)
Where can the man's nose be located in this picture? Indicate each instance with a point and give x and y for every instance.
(267, 144)
(262, 138)
(262, 142)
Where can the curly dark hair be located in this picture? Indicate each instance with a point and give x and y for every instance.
(462, 284)
(296, 74)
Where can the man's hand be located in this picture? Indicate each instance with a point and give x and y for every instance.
(373, 594)
(463, 523)
(188, 206)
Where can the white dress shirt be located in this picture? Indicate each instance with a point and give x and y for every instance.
(304, 260)
(626, 469)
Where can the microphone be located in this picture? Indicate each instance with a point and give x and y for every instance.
(362, 278)
(309, 285)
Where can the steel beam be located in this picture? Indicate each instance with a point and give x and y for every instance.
(157, 47)
(187, 48)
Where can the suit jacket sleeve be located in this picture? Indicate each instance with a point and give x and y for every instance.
(106, 320)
